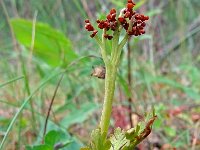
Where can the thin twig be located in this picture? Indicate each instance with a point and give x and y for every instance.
(50, 106)
(129, 83)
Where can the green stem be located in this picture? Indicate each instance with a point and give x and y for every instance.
(115, 44)
(108, 98)
(111, 73)
(120, 47)
(102, 47)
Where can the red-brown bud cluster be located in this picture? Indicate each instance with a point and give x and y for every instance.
(137, 21)
(109, 23)
(89, 27)
(131, 21)
(130, 4)
(138, 25)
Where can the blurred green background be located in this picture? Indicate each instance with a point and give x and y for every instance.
(41, 38)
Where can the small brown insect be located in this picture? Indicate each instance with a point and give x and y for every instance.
(99, 72)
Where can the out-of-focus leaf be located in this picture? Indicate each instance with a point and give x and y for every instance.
(53, 140)
(39, 147)
(166, 81)
(193, 74)
(124, 85)
(158, 123)
(53, 137)
(192, 93)
(139, 4)
(79, 115)
(69, 105)
(145, 36)
(50, 45)
(118, 3)
(121, 4)
(154, 12)
(170, 131)
(4, 122)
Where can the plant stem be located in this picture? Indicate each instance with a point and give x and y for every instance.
(50, 106)
(108, 98)
(129, 83)
(111, 73)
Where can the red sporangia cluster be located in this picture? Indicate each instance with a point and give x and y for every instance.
(89, 27)
(132, 22)
(138, 25)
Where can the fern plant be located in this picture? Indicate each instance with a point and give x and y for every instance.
(127, 23)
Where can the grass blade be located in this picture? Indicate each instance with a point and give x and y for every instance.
(10, 81)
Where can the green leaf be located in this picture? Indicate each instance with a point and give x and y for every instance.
(79, 115)
(118, 139)
(132, 133)
(122, 140)
(53, 137)
(99, 141)
(39, 147)
(154, 12)
(170, 131)
(158, 124)
(192, 93)
(53, 140)
(121, 4)
(124, 85)
(118, 3)
(139, 4)
(127, 140)
(50, 45)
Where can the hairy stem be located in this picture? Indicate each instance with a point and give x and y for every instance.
(120, 47)
(111, 73)
(102, 47)
(108, 98)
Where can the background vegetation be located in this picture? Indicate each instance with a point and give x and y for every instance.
(40, 39)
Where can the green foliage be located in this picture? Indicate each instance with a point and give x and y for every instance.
(120, 4)
(192, 92)
(118, 139)
(166, 88)
(98, 141)
(53, 140)
(50, 45)
(124, 85)
(121, 139)
(170, 131)
(127, 140)
(80, 115)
